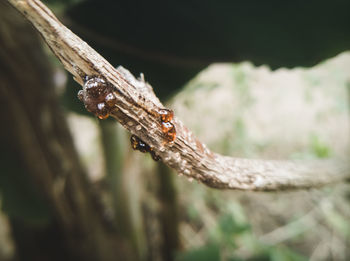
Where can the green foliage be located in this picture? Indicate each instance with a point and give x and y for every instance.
(210, 252)
(284, 254)
(231, 231)
(319, 148)
(337, 221)
(229, 226)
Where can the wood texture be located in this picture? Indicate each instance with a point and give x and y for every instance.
(137, 108)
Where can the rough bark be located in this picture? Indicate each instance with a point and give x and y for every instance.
(137, 110)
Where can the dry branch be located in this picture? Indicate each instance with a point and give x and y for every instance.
(136, 107)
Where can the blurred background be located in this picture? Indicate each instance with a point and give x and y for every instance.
(252, 79)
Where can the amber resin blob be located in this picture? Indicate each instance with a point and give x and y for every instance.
(98, 97)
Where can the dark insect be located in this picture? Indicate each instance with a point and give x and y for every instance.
(140, 145)
(98, 97)
(167, 127)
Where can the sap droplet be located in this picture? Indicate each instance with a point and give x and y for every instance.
(94, 95)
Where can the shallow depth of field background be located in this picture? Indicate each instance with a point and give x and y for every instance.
(247, 111)
(243, 98)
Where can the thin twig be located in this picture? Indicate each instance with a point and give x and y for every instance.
(137, 108)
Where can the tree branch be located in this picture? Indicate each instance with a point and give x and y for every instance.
(137, 109)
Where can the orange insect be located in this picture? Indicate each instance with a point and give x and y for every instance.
(167, 127)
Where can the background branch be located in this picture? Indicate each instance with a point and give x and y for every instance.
(136, 104)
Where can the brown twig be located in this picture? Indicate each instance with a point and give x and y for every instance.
(136, 110)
